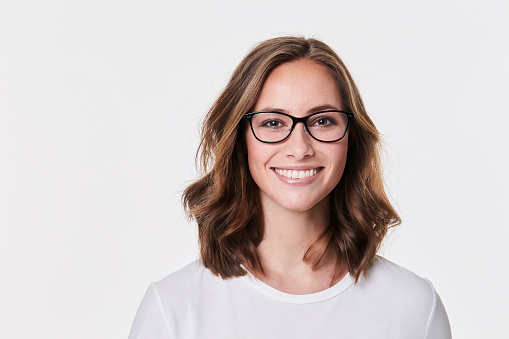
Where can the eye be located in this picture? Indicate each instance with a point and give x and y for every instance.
(323, 121)
(272, 123)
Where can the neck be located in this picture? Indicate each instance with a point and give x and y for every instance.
(287, 236)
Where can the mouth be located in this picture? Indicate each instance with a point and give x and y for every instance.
(297, 174)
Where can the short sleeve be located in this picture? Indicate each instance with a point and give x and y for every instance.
(438, 323)
(150, 321)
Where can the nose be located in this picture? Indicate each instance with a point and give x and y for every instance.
(299, 143)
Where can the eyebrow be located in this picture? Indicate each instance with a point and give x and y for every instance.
(310, 111)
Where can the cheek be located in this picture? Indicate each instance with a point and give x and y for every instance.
(338, 158)
(257, 158)
(255, 154)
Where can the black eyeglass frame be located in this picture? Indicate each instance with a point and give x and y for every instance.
(295, 121)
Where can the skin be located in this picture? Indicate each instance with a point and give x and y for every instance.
(296, 211)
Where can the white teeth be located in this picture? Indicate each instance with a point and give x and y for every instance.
(293, 174)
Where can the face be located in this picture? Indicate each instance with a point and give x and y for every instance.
(298, 88)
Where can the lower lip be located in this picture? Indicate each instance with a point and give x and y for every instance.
(298, 182)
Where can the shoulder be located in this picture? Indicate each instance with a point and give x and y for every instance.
(154, 318)
(402, 291)
(406, 296)
(191, 271)
(191, 277)
(193, 284)
(393, 283)
(386, 274)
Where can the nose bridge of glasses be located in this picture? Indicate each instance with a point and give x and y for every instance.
(296, 120)
(304, 133)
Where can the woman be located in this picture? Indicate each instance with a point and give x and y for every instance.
(291, 211)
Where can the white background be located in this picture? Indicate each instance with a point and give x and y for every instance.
(100, 106)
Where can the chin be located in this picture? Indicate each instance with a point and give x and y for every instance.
(300, 204)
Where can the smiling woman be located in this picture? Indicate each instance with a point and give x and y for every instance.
(279, 169)
(291, 211)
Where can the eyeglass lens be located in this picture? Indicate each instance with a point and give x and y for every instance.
(274, 127)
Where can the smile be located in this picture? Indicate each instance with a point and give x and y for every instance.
(296, 174)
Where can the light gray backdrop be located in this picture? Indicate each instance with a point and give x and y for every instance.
(100, 103)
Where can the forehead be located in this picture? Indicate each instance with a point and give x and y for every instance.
(298, 86)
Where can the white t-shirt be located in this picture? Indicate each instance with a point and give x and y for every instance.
(391, 302)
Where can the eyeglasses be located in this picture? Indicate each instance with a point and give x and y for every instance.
(274, 127)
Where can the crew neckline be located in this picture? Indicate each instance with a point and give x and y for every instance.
(316, 297)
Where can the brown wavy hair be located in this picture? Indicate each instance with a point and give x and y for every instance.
(225, 200)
